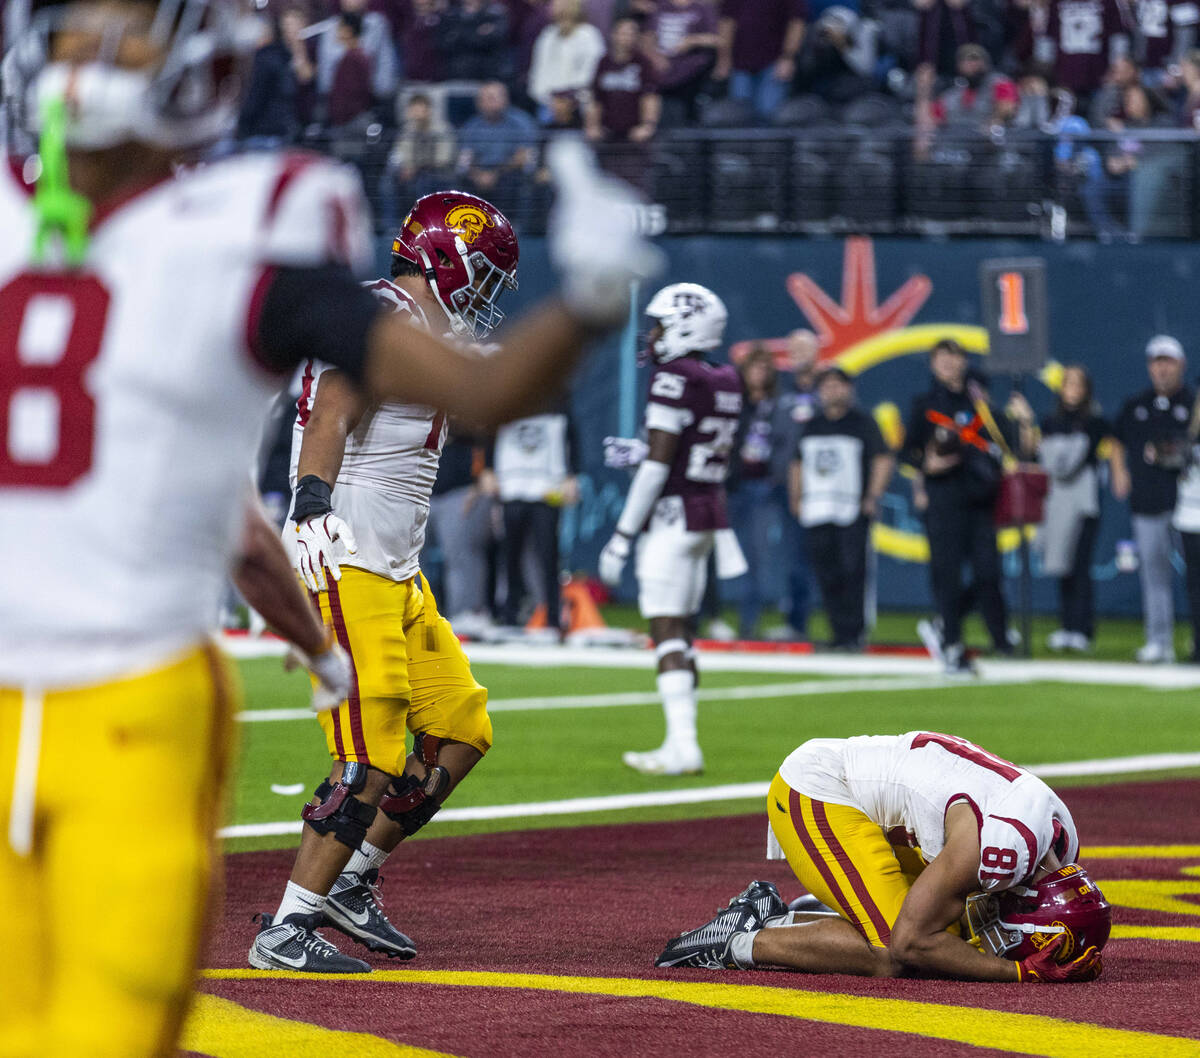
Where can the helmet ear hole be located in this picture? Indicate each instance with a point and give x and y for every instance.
(443, 258)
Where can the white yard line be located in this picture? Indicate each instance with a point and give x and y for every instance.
(714, 694)
(709, 794)
(1115, 673)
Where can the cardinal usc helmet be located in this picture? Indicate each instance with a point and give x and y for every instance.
(467, 251)
(690, 318)
(168, 73)
(1020, 921)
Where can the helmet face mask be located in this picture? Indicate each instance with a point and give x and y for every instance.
(468, 253)
(169, 78)
(688, 318)
(1021, 921)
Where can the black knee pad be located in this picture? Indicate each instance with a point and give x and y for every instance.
(335, 809)
(409, 802)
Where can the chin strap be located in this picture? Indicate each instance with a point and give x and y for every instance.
(59, 210)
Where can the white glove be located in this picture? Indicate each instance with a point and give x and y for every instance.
(594, 242)
(333, 672)
(612, 558)
(621, 453)
(315, 545)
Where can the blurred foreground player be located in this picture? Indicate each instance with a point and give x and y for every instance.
(362, 476)
(130, 404)
(937, 858)
(677, 503)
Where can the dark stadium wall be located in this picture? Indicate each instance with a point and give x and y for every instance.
(1105, 303)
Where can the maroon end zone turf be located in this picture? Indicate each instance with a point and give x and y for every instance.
(601, 902)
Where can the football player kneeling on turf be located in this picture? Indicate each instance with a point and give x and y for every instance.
(923, 854)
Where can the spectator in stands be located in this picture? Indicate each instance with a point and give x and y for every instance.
(760, 40)
(624, 109)
(1166, 31)
(1083, 37)
(423, 154)
(838, 56)
(268, 116)
(564, 113)
(1188, 108)
(565, 55)
(681, 42)
(473, 41)
(625, 105)
(955, 482)
(535, 475)
(1105, 109)
(1152, 426)
(1069, 446)
(373, 37)
(793, 411)
(497, 146)
(527, 19)
(944, 27)
(971, 100)
(304, 72)
(839, 472)
(757, 504)
(419, 41)
(350, 93)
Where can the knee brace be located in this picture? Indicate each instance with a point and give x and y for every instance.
(411, 802)
(335, 809)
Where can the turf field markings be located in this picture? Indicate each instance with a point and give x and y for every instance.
(706, 794)
(1135, 932)
(1109, 673)
(1142, 852)
(630, 698)
(997, 1030)
(224, 1029)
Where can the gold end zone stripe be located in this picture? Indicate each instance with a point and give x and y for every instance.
(1140, 852)
(998, 1030)
(1135, 932)
(224, 1029)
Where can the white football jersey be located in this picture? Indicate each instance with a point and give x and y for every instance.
(130, 406)
(391, 462)
(906, 782)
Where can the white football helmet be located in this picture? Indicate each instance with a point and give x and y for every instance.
(692, 319)
(190, 99)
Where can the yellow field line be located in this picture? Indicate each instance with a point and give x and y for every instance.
(1140, 852)
(221, 1028)
(1190, 933)
(998, 1030)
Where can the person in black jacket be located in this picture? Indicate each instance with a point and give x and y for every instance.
(957, 463)
(268, 116)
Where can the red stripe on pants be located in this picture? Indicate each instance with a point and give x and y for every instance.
(352, 700)
(878, 920)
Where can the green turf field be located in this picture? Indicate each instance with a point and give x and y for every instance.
(546, 753)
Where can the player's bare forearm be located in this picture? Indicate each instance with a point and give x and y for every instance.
(264, 575)
(882, 468)
(950, 956)
(536, 356)
(335, 413)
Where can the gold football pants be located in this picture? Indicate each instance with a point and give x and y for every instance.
(108, 801)
(410, 672)
(844, 859)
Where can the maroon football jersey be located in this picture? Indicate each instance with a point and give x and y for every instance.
(1158, 22)
(703, 401)
(1081, 30)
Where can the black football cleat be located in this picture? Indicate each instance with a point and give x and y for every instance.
(707, 948)
(764, 898)
(294, 944)
(354, 907)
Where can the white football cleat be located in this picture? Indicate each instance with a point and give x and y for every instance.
(666, 760)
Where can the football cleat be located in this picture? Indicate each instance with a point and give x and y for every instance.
(707, 948)
(764, 898)
(295, 944)
(354, 907)
(666, 761)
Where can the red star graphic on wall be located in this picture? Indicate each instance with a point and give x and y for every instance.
(858, 317)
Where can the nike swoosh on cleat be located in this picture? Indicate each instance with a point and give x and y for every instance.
(358, 918)
(295, 964)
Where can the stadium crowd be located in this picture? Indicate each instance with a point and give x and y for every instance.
(417, 92)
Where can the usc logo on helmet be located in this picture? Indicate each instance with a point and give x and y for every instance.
(469, 222)
(1040, 940)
